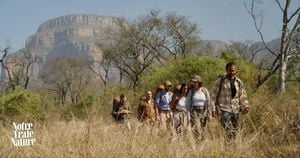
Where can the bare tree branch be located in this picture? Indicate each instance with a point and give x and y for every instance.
(258, 27)
(279, 5)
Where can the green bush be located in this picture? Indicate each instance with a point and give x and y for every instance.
(209, 68)
(21, 105)
(182, 70)
(85, 106)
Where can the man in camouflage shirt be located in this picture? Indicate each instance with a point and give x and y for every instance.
(229, 97)
(121, 109)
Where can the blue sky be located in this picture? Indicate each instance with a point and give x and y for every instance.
(225, 20)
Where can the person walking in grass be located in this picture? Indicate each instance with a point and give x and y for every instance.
(179, 106)
(229, 97)
(121, 109)
(162, 104)
(198, 105)
(146, 109)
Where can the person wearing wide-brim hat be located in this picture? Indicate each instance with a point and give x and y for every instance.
(162, 103)
(198, 105)
(197, 78)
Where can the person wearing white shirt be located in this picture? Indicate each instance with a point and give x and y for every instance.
(198, 106)
(179, 106)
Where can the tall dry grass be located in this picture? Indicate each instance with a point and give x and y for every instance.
(271, 129)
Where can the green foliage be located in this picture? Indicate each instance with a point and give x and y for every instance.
(182, 70)
(209, 68)
(21, 104)
(85, 106)
(98, 103)
(111, 91)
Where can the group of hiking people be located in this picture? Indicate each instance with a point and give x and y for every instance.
(191, 105)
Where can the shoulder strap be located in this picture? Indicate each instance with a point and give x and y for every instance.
(205, 91)
(192, 94)
(222, 78)
(240, 83)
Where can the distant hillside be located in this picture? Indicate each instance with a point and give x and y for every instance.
(76, 35)
(70, 35)
(212, 47)
(265, 54)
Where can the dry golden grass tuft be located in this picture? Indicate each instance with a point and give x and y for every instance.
(271, 129)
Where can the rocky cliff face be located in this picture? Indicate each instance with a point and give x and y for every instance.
(71, 35)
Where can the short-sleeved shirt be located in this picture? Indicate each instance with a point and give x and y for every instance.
(146, 109)
(163, 99)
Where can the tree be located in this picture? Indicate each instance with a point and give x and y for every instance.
(17, 67)
(133, 46)
(245, 50)
(181, 35)
(67, 77)
(101, 69)
(287, 48)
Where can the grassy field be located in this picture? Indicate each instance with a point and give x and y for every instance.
(271, 129)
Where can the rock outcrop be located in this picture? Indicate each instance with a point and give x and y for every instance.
(70, 35)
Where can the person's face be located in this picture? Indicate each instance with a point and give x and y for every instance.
(149, 95)
(196, 84)
(123, 100)
(168, 87)
(185, 89)
(231, 71)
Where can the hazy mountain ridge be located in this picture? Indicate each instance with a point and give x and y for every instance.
(70, 35)
(76, 35)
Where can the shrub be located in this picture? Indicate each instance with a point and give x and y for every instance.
(209, 68)
(21, 105)
(85, 106)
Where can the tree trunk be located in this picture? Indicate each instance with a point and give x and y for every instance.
(121, 76)
(282, 75)
(283, 45)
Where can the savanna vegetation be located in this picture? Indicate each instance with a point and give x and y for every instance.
(71, 109)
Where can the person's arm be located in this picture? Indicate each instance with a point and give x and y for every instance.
(189, 101)
(140, 106)
(157, 99)
(157, 112)
(214, 97)
(156, 104)
(174, 101)
(127, 108)
(207, 102)
(243, 99)
(140, 109)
